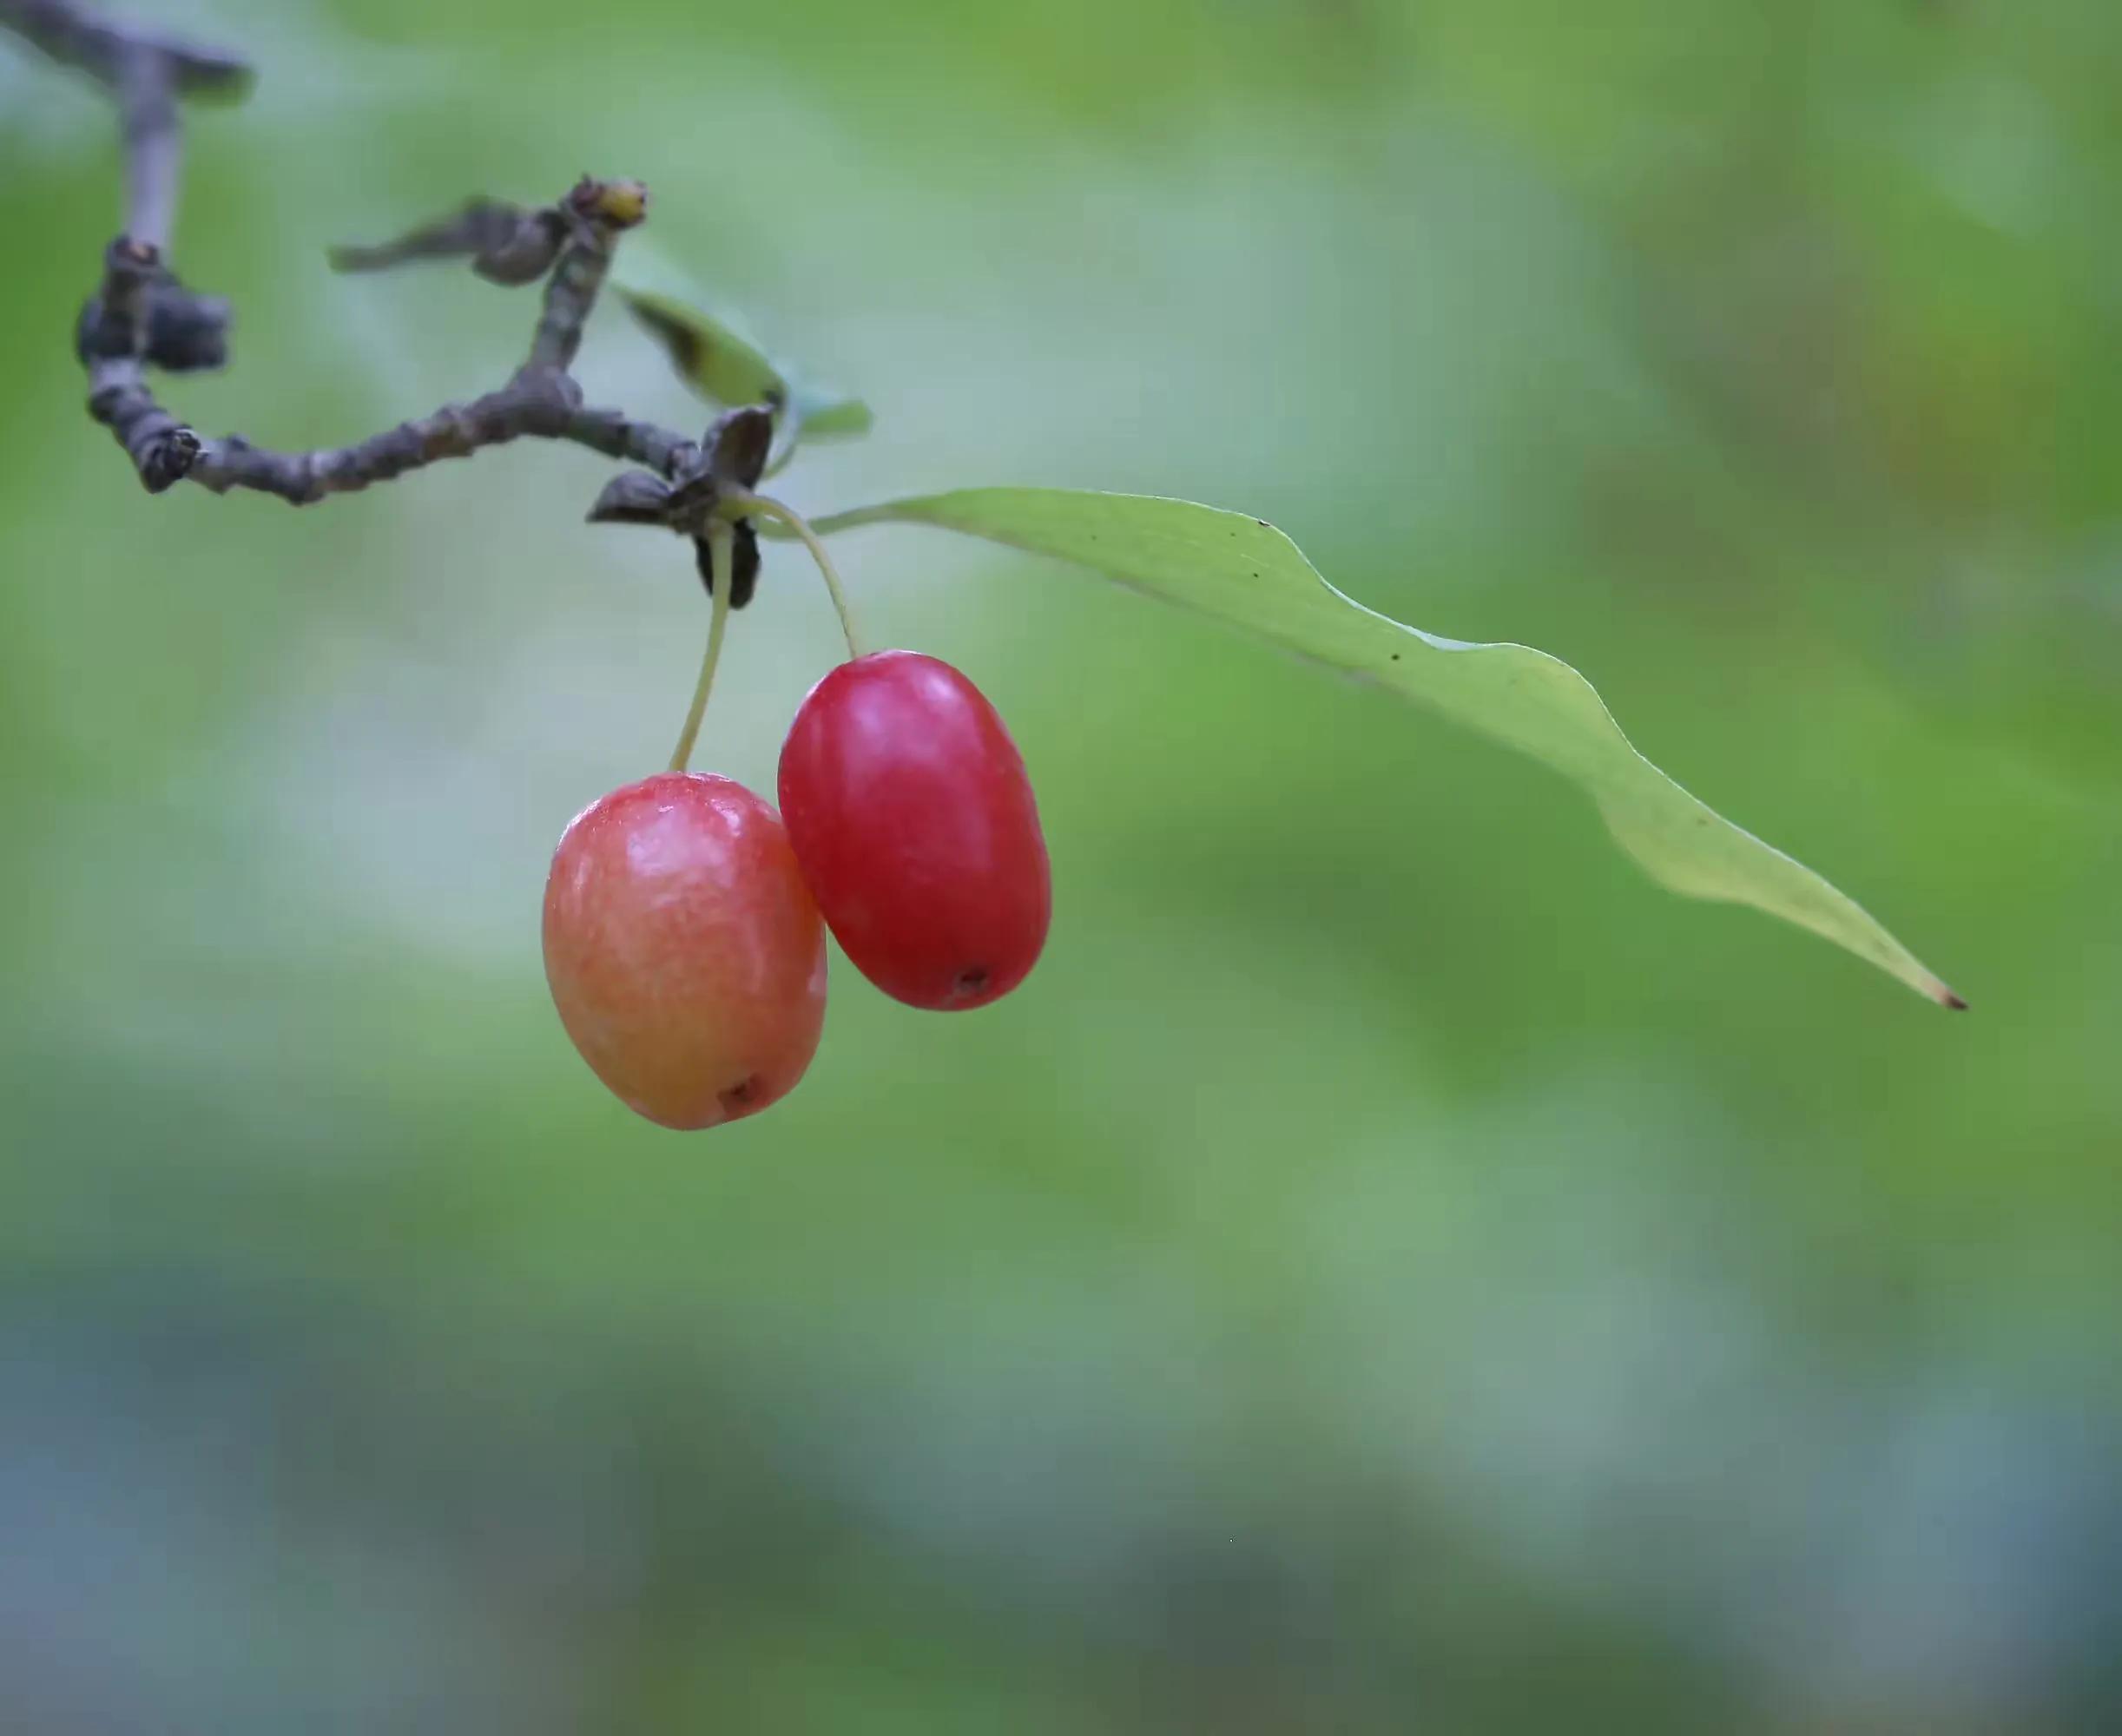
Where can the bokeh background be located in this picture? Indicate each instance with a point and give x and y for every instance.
(1393, 1268)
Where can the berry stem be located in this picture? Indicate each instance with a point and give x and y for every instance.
(721, 539)
(766, 506)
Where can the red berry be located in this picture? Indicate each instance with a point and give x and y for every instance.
(909, 811)
(683, 951)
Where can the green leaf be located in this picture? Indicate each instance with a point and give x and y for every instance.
(716, 358)
(1245, 572)
(826, 413)
(709, 355)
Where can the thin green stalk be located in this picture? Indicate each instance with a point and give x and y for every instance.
(721, 538)
(766, 506)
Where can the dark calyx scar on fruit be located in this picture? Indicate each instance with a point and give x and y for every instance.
(685, 918)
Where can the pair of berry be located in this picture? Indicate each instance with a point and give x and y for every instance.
(684, 937)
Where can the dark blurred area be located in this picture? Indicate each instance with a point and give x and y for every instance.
(1392, 1268)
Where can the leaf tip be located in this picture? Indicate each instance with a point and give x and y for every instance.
(1949, 999)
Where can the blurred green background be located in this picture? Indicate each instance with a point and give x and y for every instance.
(1393, 1268)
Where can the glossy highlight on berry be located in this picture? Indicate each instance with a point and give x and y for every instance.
(684, 952)
(913, 821)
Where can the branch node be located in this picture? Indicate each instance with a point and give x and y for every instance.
(168, 460)
(142, 311)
